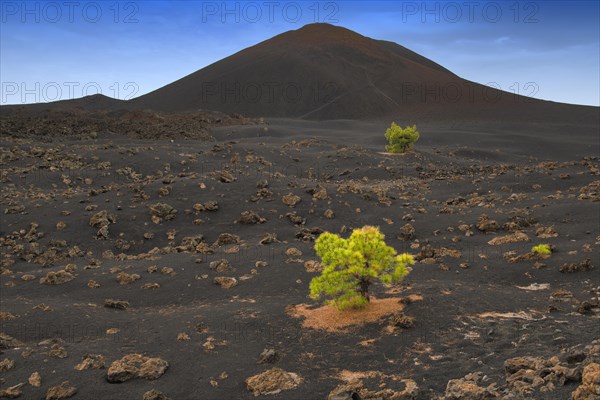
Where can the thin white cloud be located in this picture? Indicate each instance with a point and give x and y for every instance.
(503, 40)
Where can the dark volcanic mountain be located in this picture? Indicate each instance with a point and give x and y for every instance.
(323, 71)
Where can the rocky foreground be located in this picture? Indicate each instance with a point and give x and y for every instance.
(155, 269)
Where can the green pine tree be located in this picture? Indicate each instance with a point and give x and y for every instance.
(352, 265)
(401, 139)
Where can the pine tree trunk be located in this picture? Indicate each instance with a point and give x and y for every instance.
(364, 288)
(364, 285)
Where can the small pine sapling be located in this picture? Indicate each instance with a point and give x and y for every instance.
(401, 139)
(352, 265)
(542, 249)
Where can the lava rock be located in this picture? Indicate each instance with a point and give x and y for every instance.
(134, 366)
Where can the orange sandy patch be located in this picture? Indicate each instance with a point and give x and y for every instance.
(355, 378)
(331, 319)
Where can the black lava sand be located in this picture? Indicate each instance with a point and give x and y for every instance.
(482, 304)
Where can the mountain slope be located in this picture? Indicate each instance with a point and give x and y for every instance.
(322, 71)
(319, 71)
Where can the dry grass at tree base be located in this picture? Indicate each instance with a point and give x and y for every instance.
(330, 319)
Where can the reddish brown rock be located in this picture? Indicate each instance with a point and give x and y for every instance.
(512, 238)
(134, 366)
(527, 374)
(162, 211)
(62, 391)
(272, 382)
(470, 388)
(35, 379)
(155, 395)
(291, 199)
(220, 265)
(485, 224)
(57, 278)
(313, 266)
(116, 304)
(584, 265)
(226, 238)
(93, 361)
(407, 232)
(12, 392)
(251, 218)
(590, 386)
(125, 278)
(226, 282)
(6, 364)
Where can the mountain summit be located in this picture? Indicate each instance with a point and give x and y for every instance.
(322, 71)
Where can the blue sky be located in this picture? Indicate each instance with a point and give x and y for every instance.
(56, 50)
